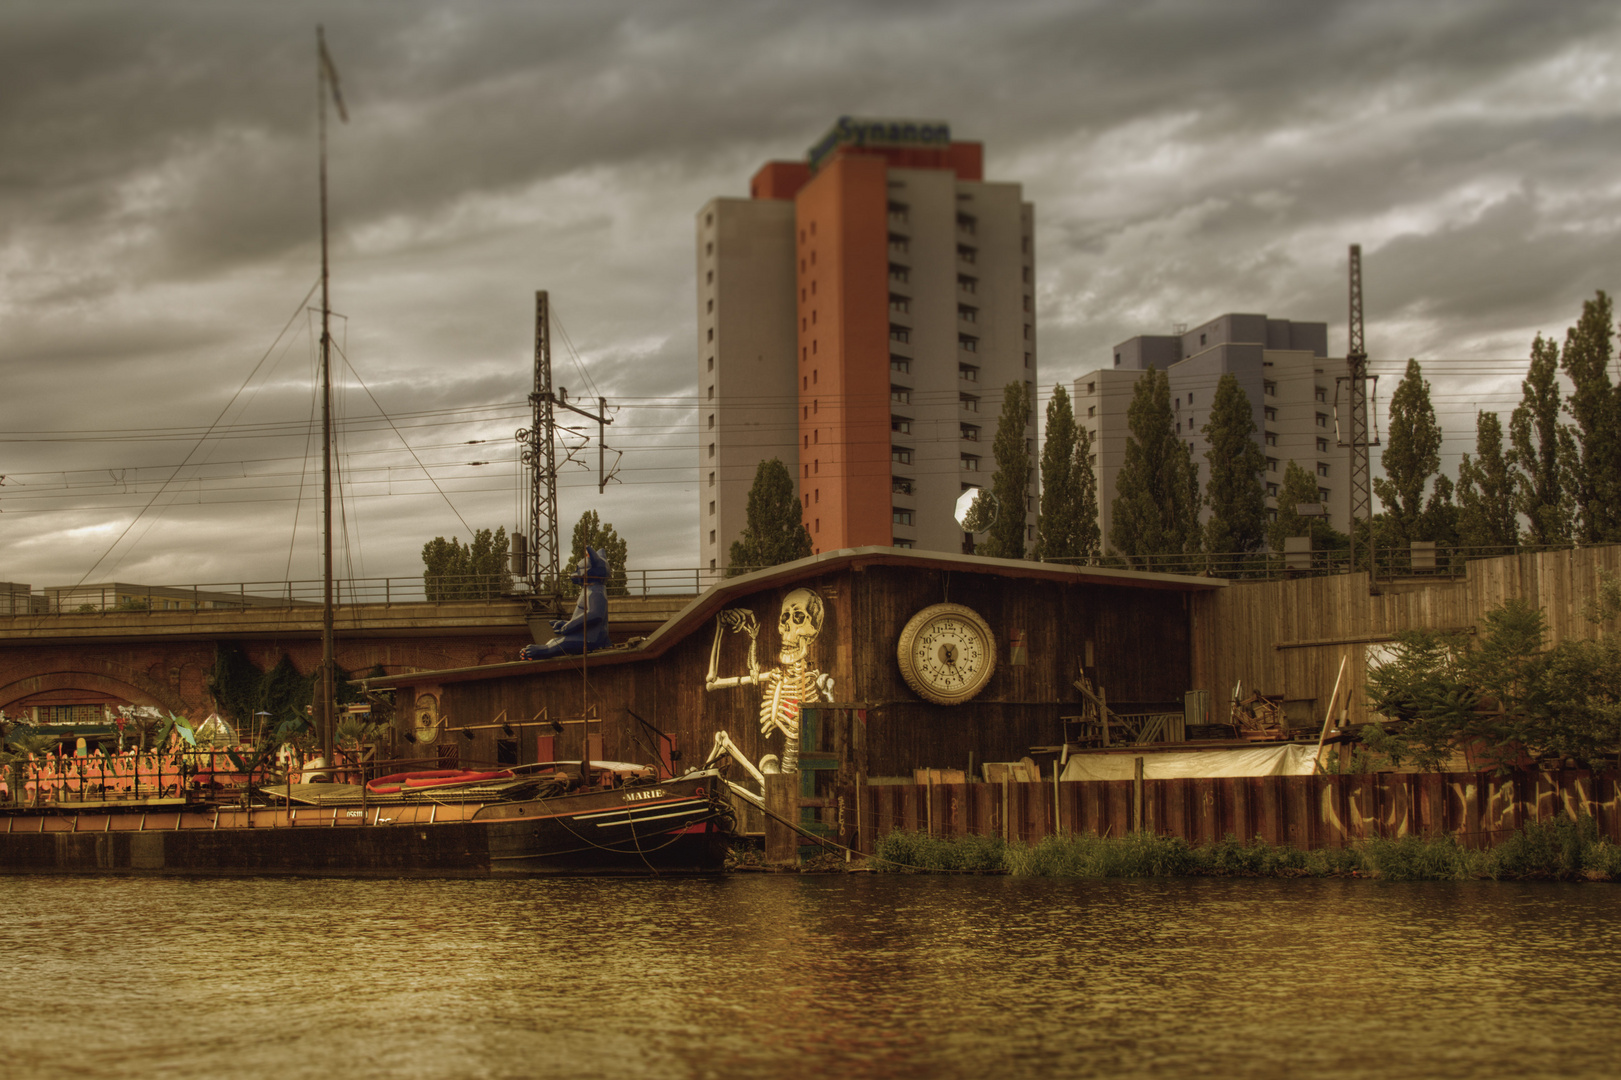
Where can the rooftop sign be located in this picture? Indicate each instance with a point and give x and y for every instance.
(850, 131)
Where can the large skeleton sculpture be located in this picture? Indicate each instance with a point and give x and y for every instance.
(783, 690)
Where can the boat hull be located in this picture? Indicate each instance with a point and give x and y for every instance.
(679, 826)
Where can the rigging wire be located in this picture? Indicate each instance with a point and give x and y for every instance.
(85, 577)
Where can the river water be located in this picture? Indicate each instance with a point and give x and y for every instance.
(759, 976)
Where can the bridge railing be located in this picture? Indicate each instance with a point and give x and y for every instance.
(123, 599)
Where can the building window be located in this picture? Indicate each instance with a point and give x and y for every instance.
(1322, 495)
(969, 402)
(1269, 388)
(900, 455)
(967, 343)
(901, 544)
(1027, 329)
(1091, 411)
(1322, 393)
(1322, 446)
(711, 363)
(967, 284)
(898, 244)
(1322, 468)
(900, 334)
(711, 507)
(900, 517)
(970, 463)
(711, 479)
(1271, 489)
(711, 449)
(900, 425)
(710, 278)
(711, 333)
(899, 304)
(967, 224)
(711, 307)
(966, 254)
(967, 373)
(970, 432)
(1029, 532)
(900, 364)
(1026, 275)
(898, 213)
(711, 536)
(709, 248)
(900, 485)
(967, 314)
(1272, 438)
(1271, 414)
(818, 524)
(711, 391)
(1026, 359)
(899, 274)
(1322, 420)
(1271, 464)
(900, 395)
(712, 564)
(1092, 387)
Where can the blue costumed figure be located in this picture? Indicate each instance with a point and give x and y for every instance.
(587, 629)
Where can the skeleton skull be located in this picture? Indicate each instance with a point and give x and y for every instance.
(800, 622)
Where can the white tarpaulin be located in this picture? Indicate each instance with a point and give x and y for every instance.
(1284, 759)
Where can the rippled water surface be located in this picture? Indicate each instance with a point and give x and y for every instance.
(807, 976)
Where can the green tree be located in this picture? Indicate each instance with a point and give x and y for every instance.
(592, 532)
(1412, 455)
(1542, 449)
(1011, 482)
(1156, 505)
(456, 571)
(1068, 527)
(1300, 486)
(1486, 514)
(1234, 493)
(775, 530)
(1595, 405)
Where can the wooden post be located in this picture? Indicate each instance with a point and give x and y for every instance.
(782, 799)
(1137, 795)
(1058, 813)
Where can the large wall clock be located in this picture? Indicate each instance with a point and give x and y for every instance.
(946, 653)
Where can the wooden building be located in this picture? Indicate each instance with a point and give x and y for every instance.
(993, 651)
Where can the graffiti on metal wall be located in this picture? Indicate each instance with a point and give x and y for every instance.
(786, 688)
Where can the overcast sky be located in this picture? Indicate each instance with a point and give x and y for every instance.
(159, 229)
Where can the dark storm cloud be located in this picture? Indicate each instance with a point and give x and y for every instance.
(158, 218)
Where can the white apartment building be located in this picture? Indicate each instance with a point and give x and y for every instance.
(1284, 370)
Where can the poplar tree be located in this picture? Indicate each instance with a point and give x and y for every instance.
(1542, 449)
(1156, 505)
(1011, 483)
(1596, 407)
(1234, 492)
(1068, 527)
(456, 571)
(775, 526)
(1412, 455)
(1300, 486)
(589, 531)
(1486, 515)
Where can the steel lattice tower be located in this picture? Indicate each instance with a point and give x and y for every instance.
(1356, 363)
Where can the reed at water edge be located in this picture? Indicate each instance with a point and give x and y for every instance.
(1563, 850)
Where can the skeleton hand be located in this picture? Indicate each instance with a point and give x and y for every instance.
(824, 686)
(735, 619)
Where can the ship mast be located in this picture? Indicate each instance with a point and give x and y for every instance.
(327, 76)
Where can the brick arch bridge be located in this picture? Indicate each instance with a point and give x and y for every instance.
(163, 658)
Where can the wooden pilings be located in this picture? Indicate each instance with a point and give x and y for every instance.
(1479, 809)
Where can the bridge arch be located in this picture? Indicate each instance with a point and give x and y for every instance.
(129, 687)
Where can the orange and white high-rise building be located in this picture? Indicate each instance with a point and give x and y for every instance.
(859, 316)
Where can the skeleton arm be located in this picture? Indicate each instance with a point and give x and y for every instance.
(734, 619)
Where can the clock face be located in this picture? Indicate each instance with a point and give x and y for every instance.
(946, 653)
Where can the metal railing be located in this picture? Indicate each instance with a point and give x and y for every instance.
(287, 595)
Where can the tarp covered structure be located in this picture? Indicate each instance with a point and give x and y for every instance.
(1283, 759)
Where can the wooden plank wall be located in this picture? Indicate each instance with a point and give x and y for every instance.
(1238, 631)
(1299, 811)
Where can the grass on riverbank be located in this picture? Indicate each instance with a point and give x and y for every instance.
(1562, 850)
